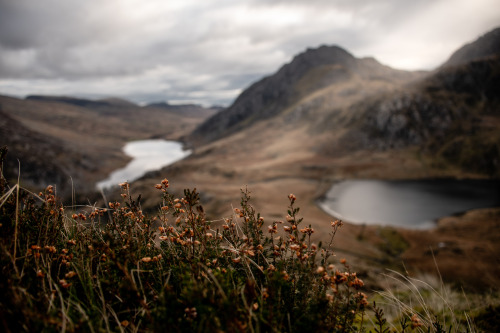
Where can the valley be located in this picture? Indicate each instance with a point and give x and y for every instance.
(324, 117)
(85, 137)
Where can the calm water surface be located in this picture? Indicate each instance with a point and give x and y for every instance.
(410, 203)
(148, 155)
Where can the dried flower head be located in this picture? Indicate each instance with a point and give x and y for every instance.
(308, 230)
(336, 223)
(70, 274)
(357, 283)
(64, 284)
(415, 321)
(190, 313)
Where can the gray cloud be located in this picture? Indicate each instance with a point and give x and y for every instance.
(208, 51)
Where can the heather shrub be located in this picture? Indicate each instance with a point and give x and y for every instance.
(114, 268)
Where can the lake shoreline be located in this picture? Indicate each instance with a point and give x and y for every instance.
(146, 156)
(408, 203)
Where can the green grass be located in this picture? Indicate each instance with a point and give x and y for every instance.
(393, 243)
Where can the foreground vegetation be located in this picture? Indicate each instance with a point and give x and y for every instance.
(116, 269)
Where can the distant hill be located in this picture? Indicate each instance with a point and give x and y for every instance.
(186, 110)
(345, 104)
(60, 140)
(81, 102)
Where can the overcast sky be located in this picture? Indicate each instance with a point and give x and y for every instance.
(208, 51)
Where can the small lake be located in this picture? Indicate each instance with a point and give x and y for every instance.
(414, 204)
(148, 155)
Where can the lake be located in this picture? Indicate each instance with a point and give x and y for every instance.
(148, 155)
(414, 204)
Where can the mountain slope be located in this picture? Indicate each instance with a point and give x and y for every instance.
(309, 72)
(485, 46)
(41, 160)
(454, 114)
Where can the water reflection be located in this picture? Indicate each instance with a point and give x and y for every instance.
(148, 155)
(409, 203)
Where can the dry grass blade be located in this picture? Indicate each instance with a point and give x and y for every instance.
(430, 303)
(4, 197)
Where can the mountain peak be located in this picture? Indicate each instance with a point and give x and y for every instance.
(315, 57)
(324, 55)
